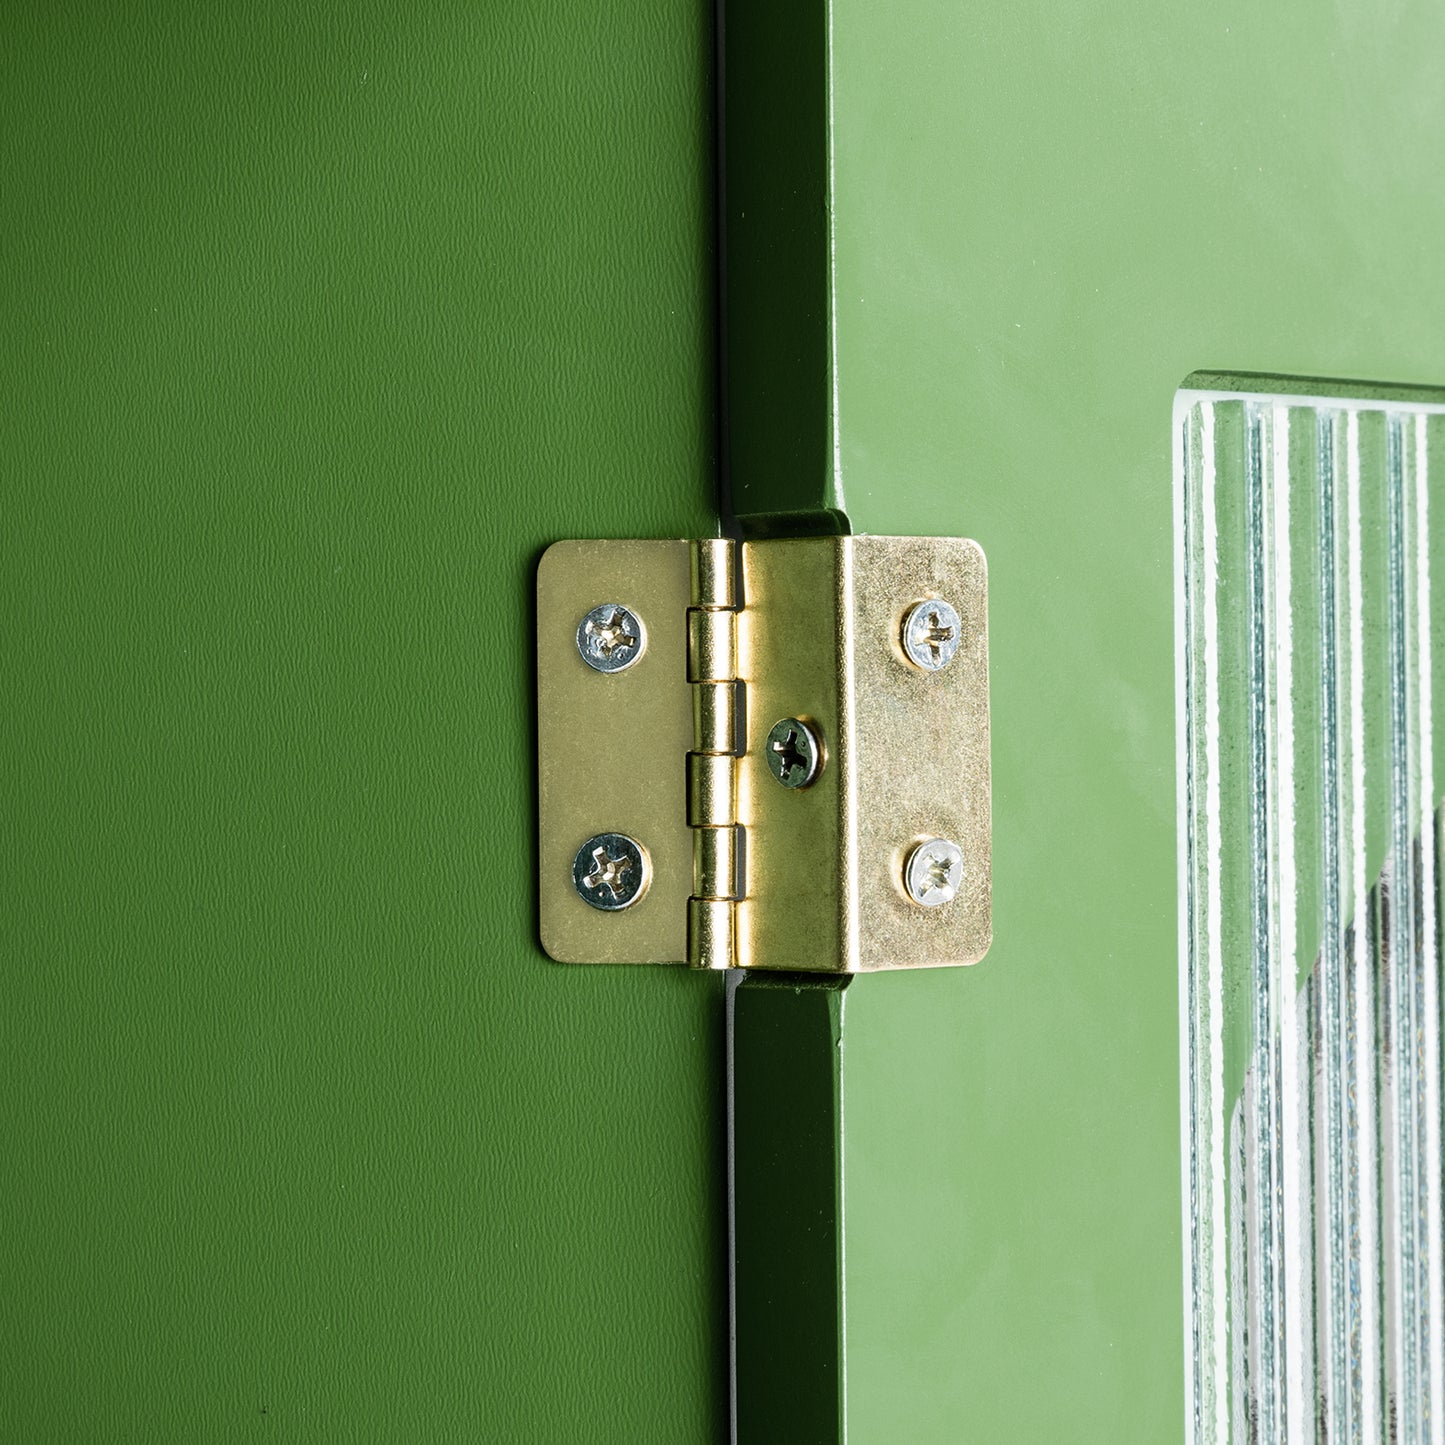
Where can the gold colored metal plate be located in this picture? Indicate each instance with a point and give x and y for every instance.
(646, 752)
(906, 755)
(612, 748)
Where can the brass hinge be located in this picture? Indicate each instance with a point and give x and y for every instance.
(712, 765)
(767, 754)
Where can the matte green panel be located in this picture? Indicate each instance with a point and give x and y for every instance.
(1044, 218)
(317, 325)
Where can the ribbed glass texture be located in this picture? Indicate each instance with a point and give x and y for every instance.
(1307, 546)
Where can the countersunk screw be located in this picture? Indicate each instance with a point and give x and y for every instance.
(611, 637)
(610, 871)
(931, 634)
(794, 753)
(933, 873)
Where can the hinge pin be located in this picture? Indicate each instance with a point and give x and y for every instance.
(712, 669)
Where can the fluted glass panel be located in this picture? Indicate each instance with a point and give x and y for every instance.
(1309, 907)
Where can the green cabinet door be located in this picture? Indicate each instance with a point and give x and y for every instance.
(320, 322)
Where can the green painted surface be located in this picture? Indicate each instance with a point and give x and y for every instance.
(1044, 219)
(316, 329)
(777, 368)
(788, 1067)
(317, 325)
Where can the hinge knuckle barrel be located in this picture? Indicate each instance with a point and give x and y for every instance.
(711, 793)
(714, 854)
(711, 932)
(712, 645)
(712, 765)
(714, 717)
(714, 563)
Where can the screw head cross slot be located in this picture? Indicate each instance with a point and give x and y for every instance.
(610, 637)
(931, 634)
(933, 873)
(610, 872)
(794, 753)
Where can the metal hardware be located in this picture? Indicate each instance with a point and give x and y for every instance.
(934, 872)
(712, 763)
(610, 749)
(794, 753)
(738, 872)
(610, 872)
(931, 634)
(611, 637)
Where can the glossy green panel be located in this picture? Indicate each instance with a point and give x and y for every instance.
(777, 235)
(317, 325)
(788, 1068)
(1044, 218)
